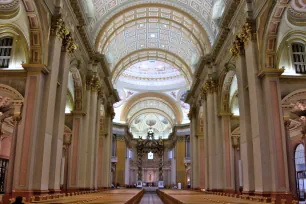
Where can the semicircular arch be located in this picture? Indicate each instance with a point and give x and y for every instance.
(161, 10)
(152, 54)
(178, 114)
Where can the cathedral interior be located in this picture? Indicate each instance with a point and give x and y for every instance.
(153, 101)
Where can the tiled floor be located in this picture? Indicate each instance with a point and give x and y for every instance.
(150, 198)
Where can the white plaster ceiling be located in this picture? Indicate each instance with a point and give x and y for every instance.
(152, 75)
(153, 35)
(154, 121)
(200, 10)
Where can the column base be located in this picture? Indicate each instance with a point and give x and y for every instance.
(231, 191)
(43, 194)
(278, 197)
(249, 193)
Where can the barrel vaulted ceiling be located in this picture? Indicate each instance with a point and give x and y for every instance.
(153, 48)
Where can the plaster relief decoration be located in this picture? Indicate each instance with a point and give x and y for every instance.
(297, 12)
(200, 10)
(154, 122)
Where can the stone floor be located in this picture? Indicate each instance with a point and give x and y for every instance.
(150, 198)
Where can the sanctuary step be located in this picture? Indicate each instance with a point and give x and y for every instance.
(128, 196)
(150, 189)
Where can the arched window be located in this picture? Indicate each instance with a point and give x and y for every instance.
(299, 157)
(6, 45)
(298, 58)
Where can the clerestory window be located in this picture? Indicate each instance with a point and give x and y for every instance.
(6, 45)
(298, 58)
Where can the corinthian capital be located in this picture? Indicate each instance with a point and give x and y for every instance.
(58, 27)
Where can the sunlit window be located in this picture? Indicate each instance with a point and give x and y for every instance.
(6, 45)
(298, 58)
(299, 157)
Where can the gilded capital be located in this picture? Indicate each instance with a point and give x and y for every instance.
(90, 80)
(95, 86)
(69, 45)
(58, 27)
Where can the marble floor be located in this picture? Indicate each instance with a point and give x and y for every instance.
(150, 198)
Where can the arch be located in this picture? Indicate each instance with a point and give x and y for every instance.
(148, 54)
(155, 111)
(182, 11)
(161, 96)
(293, 97)
(36, 54)
(152, 35)
(20, 47)
(283, 54)
(226, 89)
(270, 34)
(147, 103)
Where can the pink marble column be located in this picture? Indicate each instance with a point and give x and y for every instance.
(246, 142)
(27, 157)
(59, 122)
(262, 163)
(74, 159)
(276, 134)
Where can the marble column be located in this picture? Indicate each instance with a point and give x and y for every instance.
(91, 134)
(205, 161)
(219, 141)
(97, 140)
(59, 119)
(107, 144)
(27, 135)
(260, 139)
(275, 136)
(290, 159)
(228, 153)
(83, 152)
(194, 149)
(74, 164)
(211, 136)
(246, 143)
(173, 167)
